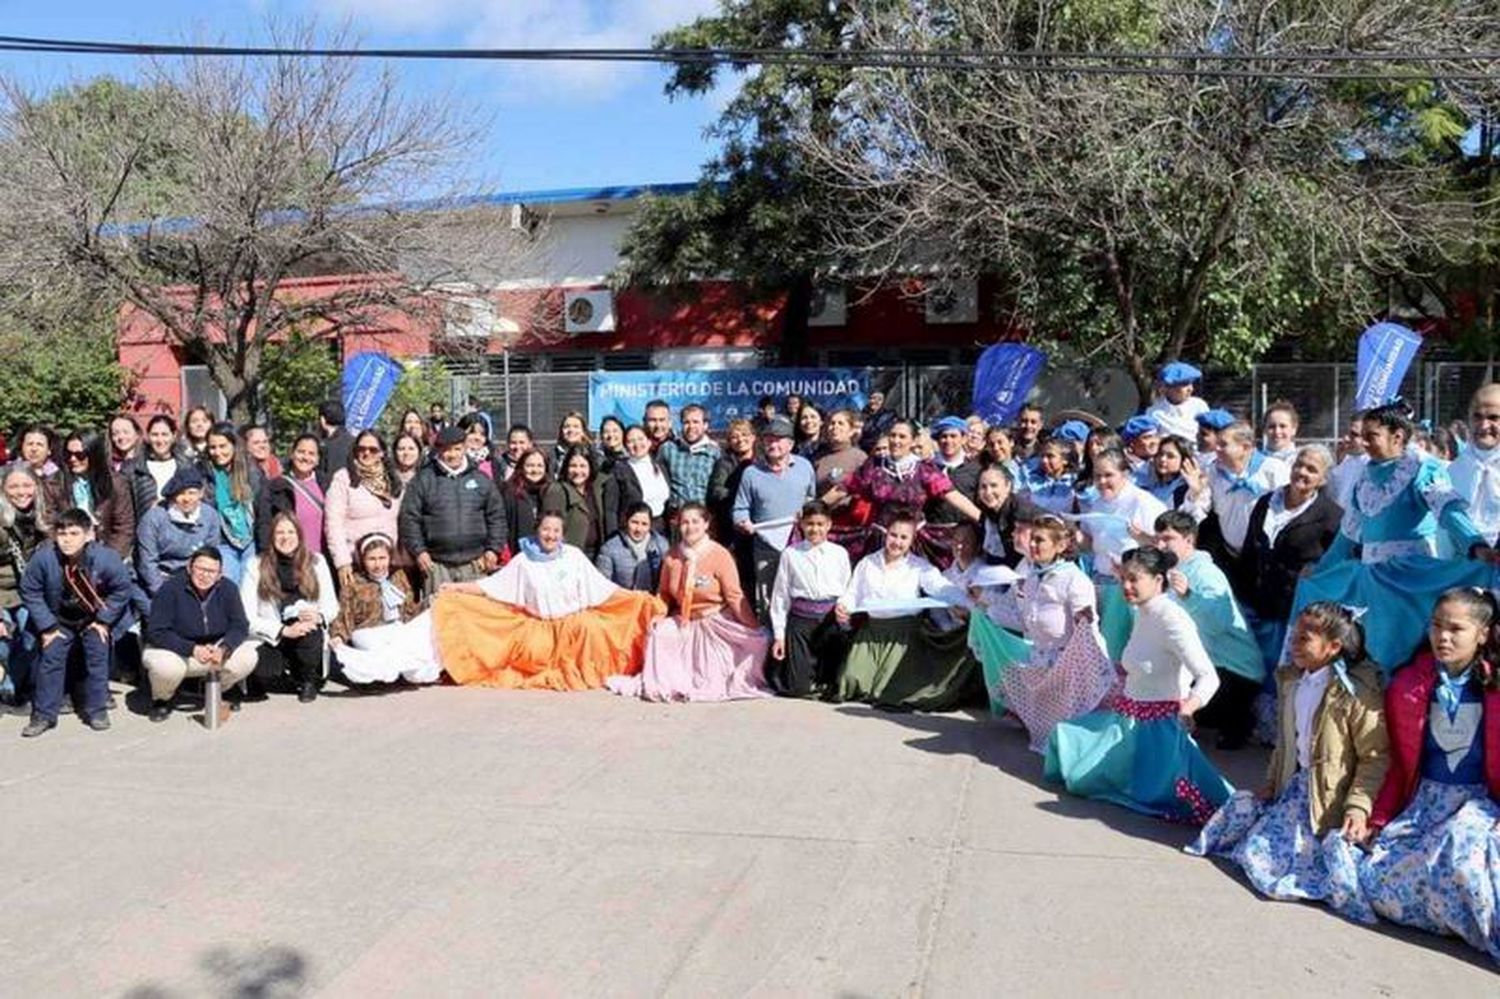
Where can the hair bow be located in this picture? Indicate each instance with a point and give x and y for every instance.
(1355, 613)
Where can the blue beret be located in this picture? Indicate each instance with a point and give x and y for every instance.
(1074, 430)
(1215, 419)
(186, 477)
(1179, 373)
(949, 423)
(1139, 426)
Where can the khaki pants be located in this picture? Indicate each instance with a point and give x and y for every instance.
(463, 572)
(167, 669)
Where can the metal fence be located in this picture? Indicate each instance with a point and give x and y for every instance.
(1322, 393)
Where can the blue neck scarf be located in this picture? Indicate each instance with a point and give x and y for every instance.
(1450, 690)
(533, 551)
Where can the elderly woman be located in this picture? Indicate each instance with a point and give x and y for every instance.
(1289, 531)
(173, 529)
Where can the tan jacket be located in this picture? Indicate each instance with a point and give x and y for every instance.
(1350, 750)
(360, 606)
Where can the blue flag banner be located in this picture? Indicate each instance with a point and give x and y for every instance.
(726, 394)
(369, 379)
(1386, 351)
(1004, 375)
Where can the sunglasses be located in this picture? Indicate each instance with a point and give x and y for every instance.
(367, 450)
(76, 455)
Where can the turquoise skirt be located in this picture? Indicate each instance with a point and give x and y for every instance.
(1138, 755)
(1399, 594)
(1116, 617)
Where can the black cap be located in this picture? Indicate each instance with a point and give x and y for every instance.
(449, 436)
(185, 478)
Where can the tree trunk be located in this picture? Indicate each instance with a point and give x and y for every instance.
(794, 330)
(239, 387)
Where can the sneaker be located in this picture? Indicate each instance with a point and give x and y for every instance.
(100, 722)
(308, 693)
(160, 711)
(36, 727)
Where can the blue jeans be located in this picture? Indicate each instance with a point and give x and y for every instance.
(18, 652)
(52, 673)
(235, 560)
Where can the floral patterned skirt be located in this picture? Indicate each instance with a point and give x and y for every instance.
(1276, 846)
(1437, 865)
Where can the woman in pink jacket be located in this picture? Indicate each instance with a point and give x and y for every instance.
(364, 498)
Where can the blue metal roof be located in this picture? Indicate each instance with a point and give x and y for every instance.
(553, 196)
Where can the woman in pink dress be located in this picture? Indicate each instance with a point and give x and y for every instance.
(708, 647)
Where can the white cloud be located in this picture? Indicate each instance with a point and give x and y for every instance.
(583, 24)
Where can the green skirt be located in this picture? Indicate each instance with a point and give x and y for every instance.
(906, 664)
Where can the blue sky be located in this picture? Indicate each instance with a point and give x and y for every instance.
(550, 126)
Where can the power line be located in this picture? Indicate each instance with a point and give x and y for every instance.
(1209, 65)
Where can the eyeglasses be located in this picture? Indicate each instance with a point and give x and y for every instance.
(366, 449)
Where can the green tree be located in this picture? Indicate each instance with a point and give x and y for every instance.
(424, 382)
(72, 381)
(755, 212)
(1135, 220)
(300, 373)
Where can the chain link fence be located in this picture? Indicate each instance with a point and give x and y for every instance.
(1322, 393)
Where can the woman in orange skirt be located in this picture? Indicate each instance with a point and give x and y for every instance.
(547, 621)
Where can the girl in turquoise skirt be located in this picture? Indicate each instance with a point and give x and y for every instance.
(1136, 751)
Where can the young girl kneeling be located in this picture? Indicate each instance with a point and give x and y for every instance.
(1293, 837)
(1137, 752)
(1435, 863)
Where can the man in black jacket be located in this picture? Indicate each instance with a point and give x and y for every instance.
(452, 517)
(196, 624)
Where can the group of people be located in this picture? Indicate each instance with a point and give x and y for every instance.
(1111, 589)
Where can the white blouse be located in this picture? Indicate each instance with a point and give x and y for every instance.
(1165, 659)
(1049, 600)
(876, 582)
(807, 573)
(552, 588)
(1137, 507)
(654, 486)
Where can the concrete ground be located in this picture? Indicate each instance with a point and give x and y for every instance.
(451, 842)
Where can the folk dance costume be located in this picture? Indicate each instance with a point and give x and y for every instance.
(1383, 556)
(1177, 419)
(1231, 645)
(1170, 493)
(709, 648)
(1329, 761)
(809, 582)
(1136, 752)
(1476, 479)
(1435, 864)
(547, 621)
(1053, 495)
(1108, 525)
(1232, 496)
(898, 659)
(371, 613)
(1059, 670)
(889, 484)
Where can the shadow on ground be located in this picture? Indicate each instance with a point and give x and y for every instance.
(273, 972)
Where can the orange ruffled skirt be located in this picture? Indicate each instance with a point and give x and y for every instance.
(486, 643)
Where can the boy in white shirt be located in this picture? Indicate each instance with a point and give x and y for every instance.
(1177, 408)
(809, 644)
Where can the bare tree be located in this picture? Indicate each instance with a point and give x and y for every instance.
(1137, 219)
(283, 167)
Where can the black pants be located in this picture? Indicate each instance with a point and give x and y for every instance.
(815, 649)
(1232, 709)
(291, 662)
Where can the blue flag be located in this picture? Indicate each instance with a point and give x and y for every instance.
(1386, 351)
(369, 380)
(1005, 374)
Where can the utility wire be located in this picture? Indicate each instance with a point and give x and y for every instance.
(1204, 64)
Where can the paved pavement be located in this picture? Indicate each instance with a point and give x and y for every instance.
(454, 842)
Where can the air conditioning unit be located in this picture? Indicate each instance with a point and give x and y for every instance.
(590, 311)
(829, 306)
(951, 301)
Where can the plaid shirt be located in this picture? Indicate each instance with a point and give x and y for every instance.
(688, 469)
